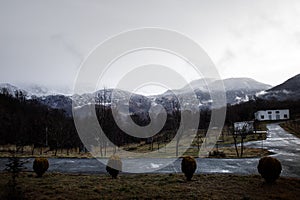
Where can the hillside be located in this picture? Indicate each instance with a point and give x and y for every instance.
(291, 85)
(27, 122)
(289, 90)
(237, 90)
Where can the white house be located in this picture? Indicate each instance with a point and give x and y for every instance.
(263, 115)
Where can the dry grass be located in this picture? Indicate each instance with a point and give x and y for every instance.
(192, 150)
(187, 142)
(292, 126)
(230, 152)
(254, 137)
(153, 186)
(5, 151)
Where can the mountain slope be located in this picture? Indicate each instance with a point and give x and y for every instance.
(291, 85)
(237, 89)
(288, 90)
(11, 89)
(246, 84)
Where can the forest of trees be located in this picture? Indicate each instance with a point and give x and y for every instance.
(28, 122)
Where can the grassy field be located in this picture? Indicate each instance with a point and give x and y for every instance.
(292, 126)
(62, 153)
(193, 143)
(229, 152)
(188, 145)
(152, 186)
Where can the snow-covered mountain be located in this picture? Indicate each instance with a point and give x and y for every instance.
(289, 90)
(11, 89)
(41, 91)
(237, 90)
(230, 84)
(57, 102)
(112, 96)
(240, 90)
(136, 103)
(201, 84)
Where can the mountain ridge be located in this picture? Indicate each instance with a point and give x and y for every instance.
(288, 90)
(238, 90)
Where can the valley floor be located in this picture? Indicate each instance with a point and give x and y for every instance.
(153, 186)
(229, 152)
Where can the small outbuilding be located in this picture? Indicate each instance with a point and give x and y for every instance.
(246, 127)
(272, 115)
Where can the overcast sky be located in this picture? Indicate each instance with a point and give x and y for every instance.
(44, 42)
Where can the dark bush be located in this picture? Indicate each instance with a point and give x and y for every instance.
(13, 189)
(269, 168)
(114, 166)
(40, 166)
(217, 154)
(188, 167)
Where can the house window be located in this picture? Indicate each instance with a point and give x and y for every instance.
(277, 112)
(285, 116)
(270, 112)
(262, 116)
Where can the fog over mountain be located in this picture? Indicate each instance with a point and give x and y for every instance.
(237, 90)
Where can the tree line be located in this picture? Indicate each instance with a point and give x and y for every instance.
(28, 122)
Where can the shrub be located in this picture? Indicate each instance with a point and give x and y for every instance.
(114, 166)
(217, 154)
(13, 189)
(269, 168)
(188, 167)
(40, 166)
